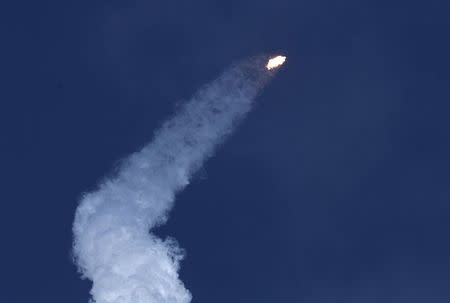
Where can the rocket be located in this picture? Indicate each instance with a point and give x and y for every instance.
(275, 62)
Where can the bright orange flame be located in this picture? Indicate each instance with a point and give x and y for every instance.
(275, 62)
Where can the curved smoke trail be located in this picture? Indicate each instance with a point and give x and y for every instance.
(112, 243)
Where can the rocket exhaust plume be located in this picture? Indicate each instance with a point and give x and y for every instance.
(275, 62)
(113, 244)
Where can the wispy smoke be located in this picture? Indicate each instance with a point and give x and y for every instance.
(113, 245)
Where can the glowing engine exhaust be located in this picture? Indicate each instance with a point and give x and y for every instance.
(275, 62)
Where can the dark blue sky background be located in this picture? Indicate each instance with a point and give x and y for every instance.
(335, 189)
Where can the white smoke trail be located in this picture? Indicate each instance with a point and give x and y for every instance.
(112, 243)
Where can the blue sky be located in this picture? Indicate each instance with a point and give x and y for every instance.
(334, 189)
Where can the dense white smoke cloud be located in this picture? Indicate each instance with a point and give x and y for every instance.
(113, 245)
